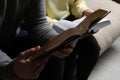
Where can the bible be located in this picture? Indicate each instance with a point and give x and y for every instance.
(84, 28)
(63, 25)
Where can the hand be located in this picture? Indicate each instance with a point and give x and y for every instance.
(64, 52)
(24, 68)
(87, 12)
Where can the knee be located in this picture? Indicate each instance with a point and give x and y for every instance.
(88, 46)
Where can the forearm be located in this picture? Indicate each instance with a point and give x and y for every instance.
(36, 23)
(78, 8)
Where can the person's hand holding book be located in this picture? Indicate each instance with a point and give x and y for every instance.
(26, 69)
(64, 52)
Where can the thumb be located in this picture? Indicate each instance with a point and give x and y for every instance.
(26, 54)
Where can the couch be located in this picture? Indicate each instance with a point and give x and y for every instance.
(108, 65)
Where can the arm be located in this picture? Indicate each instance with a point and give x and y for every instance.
(36, 23)
(78, 7)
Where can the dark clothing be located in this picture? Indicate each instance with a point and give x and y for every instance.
(82, 60)
(12, 14)
(53, 70)
(88, 56)
(31, 12)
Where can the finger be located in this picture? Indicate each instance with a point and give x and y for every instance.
(61, 54)
(65, 51)
(71, 45)
(29, 52)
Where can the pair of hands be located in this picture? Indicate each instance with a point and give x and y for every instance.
(24, 68)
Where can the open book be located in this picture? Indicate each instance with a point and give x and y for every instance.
(78, 31)
(63, 25)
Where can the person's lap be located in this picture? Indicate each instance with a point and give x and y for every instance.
(87, 50)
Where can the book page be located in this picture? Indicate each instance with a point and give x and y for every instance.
(63, 25)
(101, 24)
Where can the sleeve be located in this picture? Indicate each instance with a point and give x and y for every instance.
(36, 23)
(78, 7)
(51, 21)
(6, 72)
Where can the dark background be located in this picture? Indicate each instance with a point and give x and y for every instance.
(118, 1)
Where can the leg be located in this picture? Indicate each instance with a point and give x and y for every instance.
(53, 70)
(70, 63)
(88, 51)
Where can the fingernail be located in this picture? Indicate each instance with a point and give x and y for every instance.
(37, 47)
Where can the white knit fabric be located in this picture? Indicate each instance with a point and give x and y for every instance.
(107, 35)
